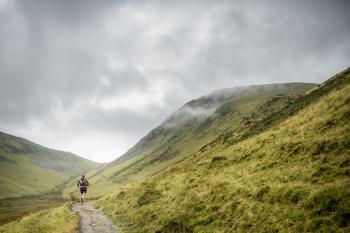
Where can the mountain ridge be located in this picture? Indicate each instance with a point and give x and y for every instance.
(27, 141)
(166, 145)
(222, 94)
(290, 177)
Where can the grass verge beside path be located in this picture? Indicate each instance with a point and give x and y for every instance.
(56, 220)
(15, 208)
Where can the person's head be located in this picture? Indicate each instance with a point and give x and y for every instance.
(83, 176)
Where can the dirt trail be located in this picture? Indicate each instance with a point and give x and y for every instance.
(92, 220)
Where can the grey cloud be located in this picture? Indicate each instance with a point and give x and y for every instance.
(289, 41)
(61, 62)
(119, 120)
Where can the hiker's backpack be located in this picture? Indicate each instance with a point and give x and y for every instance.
(83, 183)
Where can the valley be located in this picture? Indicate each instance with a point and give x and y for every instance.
(264, 158)
(174, 116)
(32, 177)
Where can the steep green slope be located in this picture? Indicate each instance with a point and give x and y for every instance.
(198, 121)
(290, 174)
(27, 168)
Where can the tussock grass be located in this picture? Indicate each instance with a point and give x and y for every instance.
(293, 177)
(58, 220)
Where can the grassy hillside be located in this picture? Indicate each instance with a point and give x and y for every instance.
(14, 208)
(27, 168)
(32, 177)
(286, 169)
(58, 220)
(191, 127)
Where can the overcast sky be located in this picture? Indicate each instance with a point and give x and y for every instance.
(93, 77)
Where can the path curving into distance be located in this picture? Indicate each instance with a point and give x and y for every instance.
(92, 220)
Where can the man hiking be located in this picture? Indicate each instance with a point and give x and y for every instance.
(83, 184)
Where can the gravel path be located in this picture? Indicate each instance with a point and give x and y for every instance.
(92, 220)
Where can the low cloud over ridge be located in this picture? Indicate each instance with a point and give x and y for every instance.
(93, 77)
